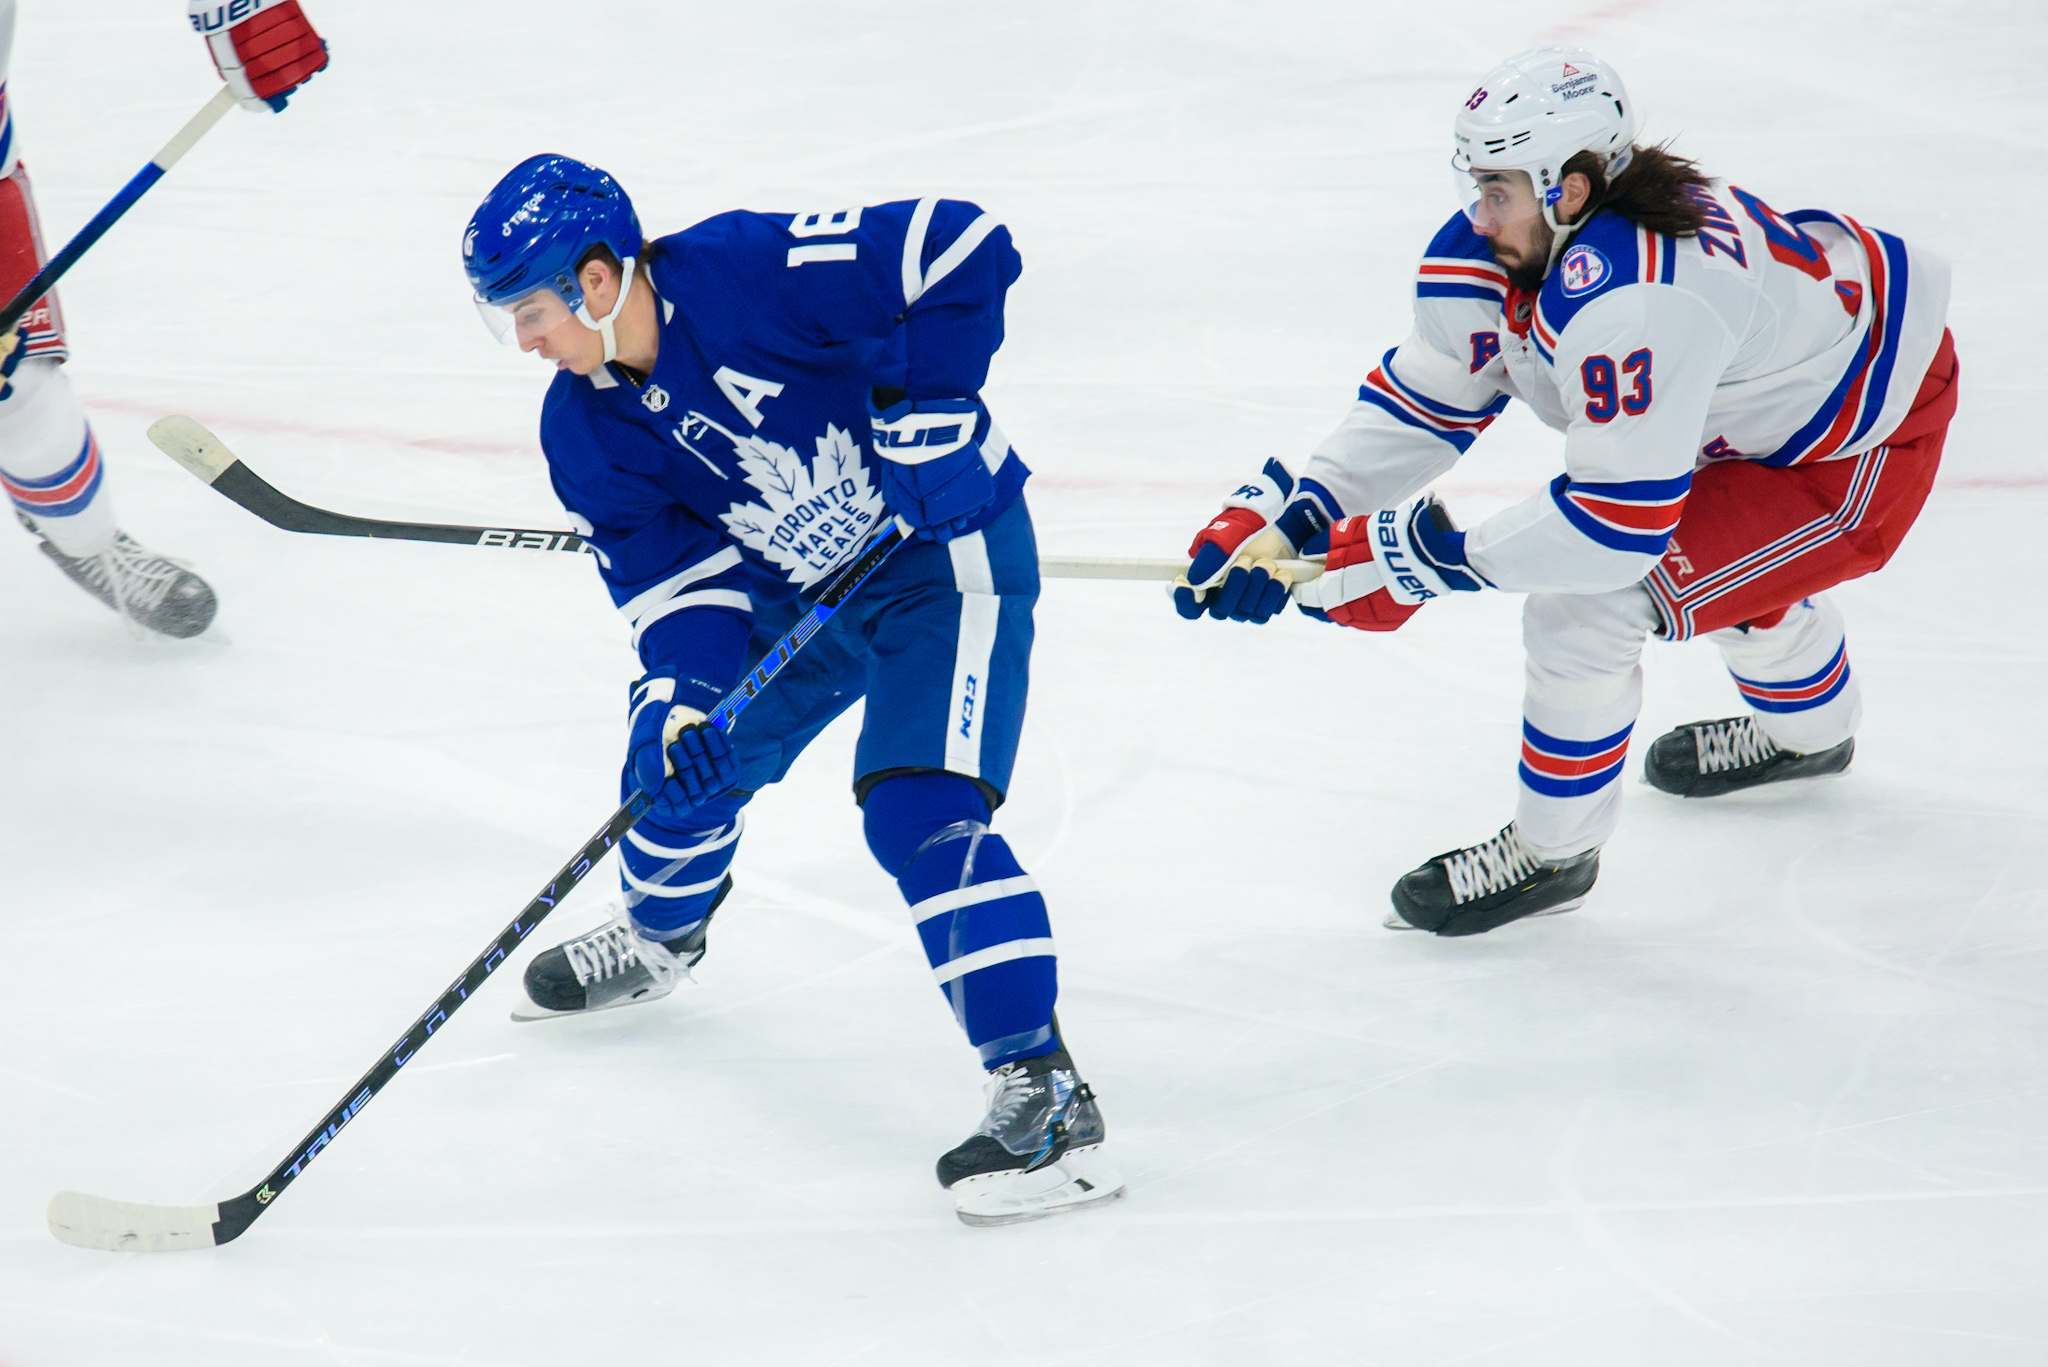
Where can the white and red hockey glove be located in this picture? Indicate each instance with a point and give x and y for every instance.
(1232, 575)
(263, 49)
(1384, 566)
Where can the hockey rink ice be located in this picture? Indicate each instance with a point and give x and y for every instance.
(1775, 1095)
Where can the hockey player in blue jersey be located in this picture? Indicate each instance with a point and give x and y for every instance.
(737, 408)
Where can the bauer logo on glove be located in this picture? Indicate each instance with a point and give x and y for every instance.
(1383, 567)
(263, 49)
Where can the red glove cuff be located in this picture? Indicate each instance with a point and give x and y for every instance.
(279, 49)
(1351, 544)
(1230, 529)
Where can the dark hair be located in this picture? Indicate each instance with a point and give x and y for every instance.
(599, 252)
(1655, 190)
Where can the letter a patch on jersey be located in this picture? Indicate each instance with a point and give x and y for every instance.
(744, 392)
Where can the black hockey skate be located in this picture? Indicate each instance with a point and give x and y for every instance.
(1709, 758)
(1474, 890)
(1037, 1152)
(148, 589)
(613, 965)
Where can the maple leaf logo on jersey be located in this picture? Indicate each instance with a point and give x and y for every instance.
(813, 514)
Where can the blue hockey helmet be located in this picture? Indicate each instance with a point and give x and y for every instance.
(528, 235)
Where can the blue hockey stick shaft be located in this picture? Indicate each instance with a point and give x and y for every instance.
(138, 186)
(807, 626)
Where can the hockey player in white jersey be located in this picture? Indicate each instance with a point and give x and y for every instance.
(1753, 404)
(49, 459)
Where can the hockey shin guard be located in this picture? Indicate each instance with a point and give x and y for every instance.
(979, 915)
(51, 466)
(670, 875)
(1795, 676)
(1583, 689)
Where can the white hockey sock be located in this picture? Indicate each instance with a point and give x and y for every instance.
(50, 461)
(1579, 704)
(1796, 678)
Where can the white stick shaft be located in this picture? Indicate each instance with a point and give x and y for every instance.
(1134, 567)
(197, 127)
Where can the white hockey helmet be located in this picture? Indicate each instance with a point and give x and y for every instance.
(1537, 110)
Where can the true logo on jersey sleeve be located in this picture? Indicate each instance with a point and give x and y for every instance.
(1584, 270)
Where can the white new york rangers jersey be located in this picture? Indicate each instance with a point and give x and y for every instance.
(7, 154)
(1779, 338)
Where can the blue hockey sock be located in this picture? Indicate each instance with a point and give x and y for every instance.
(671, 875)
(982, 921)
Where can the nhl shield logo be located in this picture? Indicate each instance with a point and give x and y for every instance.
(1584, 270)
(656, 398)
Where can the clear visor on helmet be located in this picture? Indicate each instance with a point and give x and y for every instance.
(1495, 200)
(527, 319)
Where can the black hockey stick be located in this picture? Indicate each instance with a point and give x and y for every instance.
(207, 456)
(129, 1226)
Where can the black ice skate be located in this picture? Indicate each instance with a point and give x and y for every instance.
(613, 965)
(1709, 758)
(1473, 890)
(146, 588)
(1038, 1151)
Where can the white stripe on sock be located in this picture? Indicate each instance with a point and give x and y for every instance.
(920, 912)
(993, 955)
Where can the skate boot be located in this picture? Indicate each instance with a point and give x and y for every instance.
(1038, 1151)
(1473, 890)
(141, 585)
(1709, 758)
(614, 965)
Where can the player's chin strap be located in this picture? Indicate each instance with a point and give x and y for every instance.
(604, 326)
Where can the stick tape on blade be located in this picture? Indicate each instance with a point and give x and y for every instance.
(129, 1227)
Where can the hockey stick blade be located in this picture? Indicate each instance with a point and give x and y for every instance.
(129, 1226)
(208, 458)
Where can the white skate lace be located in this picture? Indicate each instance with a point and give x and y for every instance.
(618, 947)
(1492, 867)
(1732, 744)
(137, 578)
(1010, 1090)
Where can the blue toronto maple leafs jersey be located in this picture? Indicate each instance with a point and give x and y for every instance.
(740, 472)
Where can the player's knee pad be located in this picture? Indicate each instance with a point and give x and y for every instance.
(1580, 638)
(671, 875)
(902, 813)
(41, 409)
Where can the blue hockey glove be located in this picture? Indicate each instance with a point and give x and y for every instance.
(13, 346)
(677, 757)
(930, 463)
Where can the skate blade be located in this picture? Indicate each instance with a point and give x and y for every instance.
(530, 1010)
(1078, 1181)
(1394, 921)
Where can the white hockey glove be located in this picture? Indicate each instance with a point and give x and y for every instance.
(1384, 566)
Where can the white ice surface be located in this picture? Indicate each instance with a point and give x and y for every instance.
(1776, 1095)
